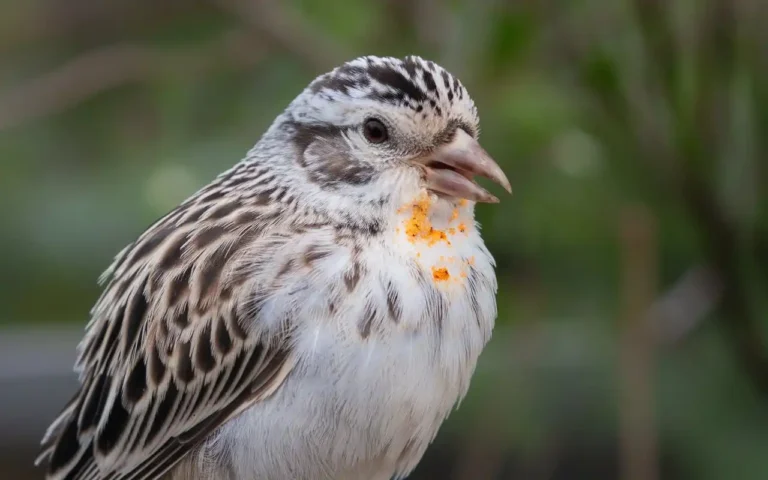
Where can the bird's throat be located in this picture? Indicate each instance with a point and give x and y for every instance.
(436, 231)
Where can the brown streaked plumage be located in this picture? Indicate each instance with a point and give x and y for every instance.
(279, 323)
(153, 343)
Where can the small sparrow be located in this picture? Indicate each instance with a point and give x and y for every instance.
(313, 313)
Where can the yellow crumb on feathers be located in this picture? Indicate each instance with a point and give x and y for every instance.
(418, 225)
(440, 274)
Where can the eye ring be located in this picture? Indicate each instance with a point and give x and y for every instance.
(375, 131)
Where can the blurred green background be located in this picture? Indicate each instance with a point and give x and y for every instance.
(632, 339)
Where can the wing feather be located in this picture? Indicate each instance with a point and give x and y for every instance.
(167, 359)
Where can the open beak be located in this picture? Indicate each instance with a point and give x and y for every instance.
(451, 168)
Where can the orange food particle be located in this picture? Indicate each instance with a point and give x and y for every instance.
(455, 214)
(471, 260)
(451, 231)
(462, 228)
(435, 236)
(418, 225)
(462, 202)
(463, 274)
(440, 274)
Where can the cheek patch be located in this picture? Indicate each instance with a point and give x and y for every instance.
(325, 155)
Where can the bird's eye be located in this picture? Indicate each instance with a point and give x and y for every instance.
(375, 131)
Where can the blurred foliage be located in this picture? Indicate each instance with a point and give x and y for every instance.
(113, 112)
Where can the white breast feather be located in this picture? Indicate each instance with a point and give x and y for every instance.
(376, 403)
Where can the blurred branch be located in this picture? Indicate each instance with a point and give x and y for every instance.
(50, 21)
(654, 23)
(113, 66)
(285, 29)
(110, 67)
(639, 458)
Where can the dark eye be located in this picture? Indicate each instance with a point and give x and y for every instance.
(375, 131)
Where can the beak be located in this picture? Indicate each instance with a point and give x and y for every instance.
(451, 168)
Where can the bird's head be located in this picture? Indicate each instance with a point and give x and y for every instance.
(374, 125)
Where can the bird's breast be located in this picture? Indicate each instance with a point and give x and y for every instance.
(387, 330)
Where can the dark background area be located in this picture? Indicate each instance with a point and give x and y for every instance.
(632, 338)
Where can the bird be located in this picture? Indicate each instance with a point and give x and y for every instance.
(315, 312)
